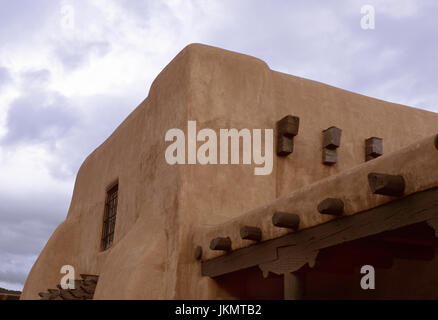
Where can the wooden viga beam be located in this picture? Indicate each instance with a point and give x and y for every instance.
(287, 129)
(386, 184)
(332, 206)
(221, 244)
(331, 141)
(373, 148)
(251, 233)
(198, 253)
(286, 220)
(44, 295)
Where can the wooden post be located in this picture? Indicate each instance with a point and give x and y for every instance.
(293, 287)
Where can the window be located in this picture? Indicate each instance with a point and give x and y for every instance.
(109, 218)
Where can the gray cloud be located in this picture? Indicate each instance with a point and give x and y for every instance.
(33, 119)
(73, 54)
(19, 19)
(14, 269)
(38, 115)
(41, 116)
(25, 238)
(104, 114)
(13, 277)
(4, 77)
(324, 42)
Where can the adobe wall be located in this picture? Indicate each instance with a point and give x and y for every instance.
(138, 265)
(160, 206)
(242, 92)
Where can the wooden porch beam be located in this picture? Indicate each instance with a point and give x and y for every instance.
(294, 250)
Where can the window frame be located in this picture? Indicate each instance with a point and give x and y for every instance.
(109, 217)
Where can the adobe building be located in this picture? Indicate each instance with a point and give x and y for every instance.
(353, 183)
(9, 294)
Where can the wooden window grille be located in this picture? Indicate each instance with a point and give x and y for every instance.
(109, 219)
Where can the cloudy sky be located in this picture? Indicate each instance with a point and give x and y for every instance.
(71, 71)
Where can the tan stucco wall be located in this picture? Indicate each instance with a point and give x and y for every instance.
(162, 207)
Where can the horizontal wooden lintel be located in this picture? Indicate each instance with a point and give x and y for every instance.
(272, 254)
